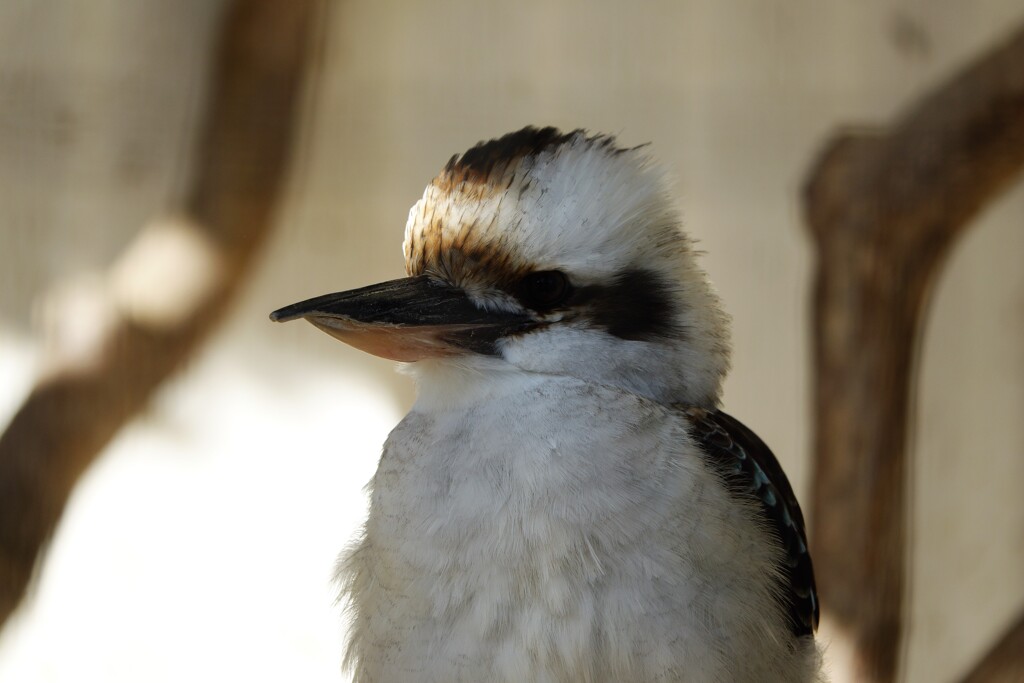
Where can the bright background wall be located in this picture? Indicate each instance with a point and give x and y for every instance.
(200, 547)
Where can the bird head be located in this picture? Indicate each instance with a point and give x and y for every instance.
(550, 253)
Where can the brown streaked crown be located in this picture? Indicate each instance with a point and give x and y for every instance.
(489, 160)
(450, 231)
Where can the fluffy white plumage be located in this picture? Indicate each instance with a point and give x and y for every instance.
(591, 210)
(545, 513)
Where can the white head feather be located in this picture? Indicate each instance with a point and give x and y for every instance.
(643, 315)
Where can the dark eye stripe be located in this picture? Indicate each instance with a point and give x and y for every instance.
(637, 305)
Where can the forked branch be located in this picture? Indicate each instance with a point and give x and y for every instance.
(884, 208)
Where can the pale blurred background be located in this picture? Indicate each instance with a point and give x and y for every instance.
(200, 546)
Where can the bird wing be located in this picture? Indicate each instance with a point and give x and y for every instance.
(751, 470)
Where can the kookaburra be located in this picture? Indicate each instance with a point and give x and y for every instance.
(565, 502)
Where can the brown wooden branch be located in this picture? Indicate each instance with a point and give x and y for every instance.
(166, 292)
(884, 208)
(1004, 663)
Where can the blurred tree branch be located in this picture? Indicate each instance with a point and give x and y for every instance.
(1004, 663)
(166, 292)
(884, 208)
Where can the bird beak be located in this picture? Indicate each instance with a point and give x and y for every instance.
(408, 319)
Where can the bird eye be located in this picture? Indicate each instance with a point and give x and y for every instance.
(544, 290)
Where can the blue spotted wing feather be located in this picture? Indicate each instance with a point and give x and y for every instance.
(750, 469)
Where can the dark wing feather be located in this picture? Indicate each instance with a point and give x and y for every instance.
(750, 469)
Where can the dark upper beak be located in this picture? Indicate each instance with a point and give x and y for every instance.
(408, 319)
